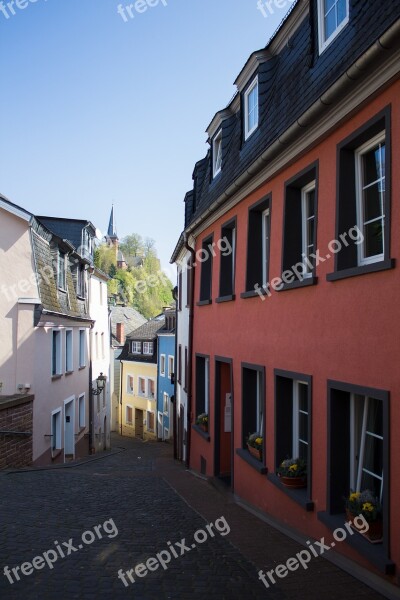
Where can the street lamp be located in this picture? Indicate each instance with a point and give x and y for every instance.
(101, 382)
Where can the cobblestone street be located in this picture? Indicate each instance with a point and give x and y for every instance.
(151, 500)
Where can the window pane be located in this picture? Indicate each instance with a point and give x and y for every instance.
(373, 202)
(373, 234)
(303, 397)
(303, 451)
(303, 427)
(373, 165)
(369, 482)
(330, 23)
(373, 455)
(341, 8)
(375, 417)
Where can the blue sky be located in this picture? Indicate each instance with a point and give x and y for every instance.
(96, 110)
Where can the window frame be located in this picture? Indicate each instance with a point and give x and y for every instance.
(206, 271)
(149, 346)
(148, 393)
(127, 421)
(171, 360)
(62, 271)
(257, 261)
(202, 386)
(323, 41)
(82, 348)
(144, 393)
(162, 365)
(136, 344)
(306, 242)
(346, 261)
(56, 357)
(252, 86)
(130, 389)
(284, 438)
(69, 350)
(217, 153)
(56, 438)
(358, 154)
(166, 398)
(227, 263)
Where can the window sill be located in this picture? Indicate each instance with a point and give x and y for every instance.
(68, 372)
(79, 297)
(204, 434)
(225, 298)
(203, 302)
(55, 377)
(257, 465)
(383, 265)
(253, 294)
(82, 367)
(307, 281)
(297, 495)
(375, 553)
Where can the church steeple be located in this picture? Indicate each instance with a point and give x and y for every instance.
(112, 230)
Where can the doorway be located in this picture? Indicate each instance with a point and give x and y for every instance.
(138, 423)
(223, 459)
(69, 429)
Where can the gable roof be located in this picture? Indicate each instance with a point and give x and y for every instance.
(149, 330)
(130, 317)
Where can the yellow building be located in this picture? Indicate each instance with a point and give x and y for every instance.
(139, 381)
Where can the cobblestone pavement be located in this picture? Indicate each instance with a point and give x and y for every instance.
(151, 501)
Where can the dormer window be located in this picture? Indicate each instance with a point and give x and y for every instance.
(61, 271)
(136, 348)
(333, 15)
(148, 348)
(217, 153)
(251, 108)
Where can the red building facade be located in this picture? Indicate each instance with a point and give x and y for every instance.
(295, 217)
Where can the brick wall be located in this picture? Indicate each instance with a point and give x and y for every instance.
(16, 414)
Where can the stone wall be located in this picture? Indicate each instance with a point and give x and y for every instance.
(16, 415)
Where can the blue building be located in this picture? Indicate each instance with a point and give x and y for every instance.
(166, 376)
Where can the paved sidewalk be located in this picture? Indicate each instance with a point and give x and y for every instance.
(151, 500)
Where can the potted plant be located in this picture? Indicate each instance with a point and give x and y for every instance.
(293, 472)
(254, 445)
(366, 504)
(202, 421)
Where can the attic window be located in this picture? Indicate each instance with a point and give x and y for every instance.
(136, 347)
(217, 153)
(333, 16)
(61, 271)
(251, 108)
(148, 348)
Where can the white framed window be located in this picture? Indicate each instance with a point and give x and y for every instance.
(265, 227)
(148, 348)
(370, 194)
(136, 347)
(333, 16)
(151, 389)
(366, 444)
(141, 386)
(82, 411)
(166, 403)
(171, 366)
(217, 153)
(56, 430)
(69, 347)
(308, 227)
(82, 348)
(206, 385)
(251, 108)
(129, 415)
(260, 405)
(62, 270)
(150, 421)
(56, 364)
(300, 420)
(130, 385)
(162, 365)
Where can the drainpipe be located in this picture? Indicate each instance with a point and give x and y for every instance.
(190, 344)
(175, 296)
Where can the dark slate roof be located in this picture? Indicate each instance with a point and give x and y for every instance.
(289, 83)
(131, 318)
(45, 248)
(149, 330)
(68, 229)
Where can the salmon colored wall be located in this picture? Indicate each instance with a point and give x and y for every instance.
(348, 330)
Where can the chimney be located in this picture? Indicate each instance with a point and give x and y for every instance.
(120, 333)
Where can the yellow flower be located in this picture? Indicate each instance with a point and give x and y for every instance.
(258, 441)
(368, 507)
(293, 468)
(354, 496)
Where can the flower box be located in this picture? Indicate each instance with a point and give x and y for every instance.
(293, 482)
(254, 452)
(375, 532)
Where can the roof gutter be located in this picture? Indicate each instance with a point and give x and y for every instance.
(344, 83)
